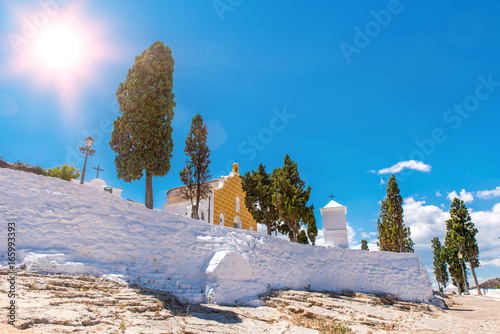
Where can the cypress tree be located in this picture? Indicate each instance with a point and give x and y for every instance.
(290, 197)
(454, 266)
(364, 245)
(312, 229)
(440, 267)
(142, 135)
(302, 238)
(197, 172)
(258, 187)
(461, 237)
(393, 235)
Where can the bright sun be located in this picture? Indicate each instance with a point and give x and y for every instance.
(59, 48)
(62, 54)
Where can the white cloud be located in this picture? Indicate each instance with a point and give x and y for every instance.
(320, 238)
(262, 228)
(425, 221)
(488, 233)
(438, 194)
(464, 196)
(368, 236)
(402, 165)
(382, 182)
(494, 262)
(372, 246)
(428, 221)
(350, 233)
(485, 194)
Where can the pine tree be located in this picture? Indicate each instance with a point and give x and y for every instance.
(461, 236)
(290, 197)
(393, 235)
(440, 267)
(364, 245)
(302, 238)
(197, 172)
(258, 187)
(142, 135)
(312, 229)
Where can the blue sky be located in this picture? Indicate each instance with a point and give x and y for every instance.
(349, 91)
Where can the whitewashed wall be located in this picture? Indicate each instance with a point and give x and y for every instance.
(65, 227)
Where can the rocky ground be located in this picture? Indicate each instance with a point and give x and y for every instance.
(87, 304)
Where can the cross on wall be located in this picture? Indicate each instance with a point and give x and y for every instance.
(98, 169)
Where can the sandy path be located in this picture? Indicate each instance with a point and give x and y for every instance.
(475, 308)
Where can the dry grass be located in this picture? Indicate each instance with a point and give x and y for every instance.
(322, 325)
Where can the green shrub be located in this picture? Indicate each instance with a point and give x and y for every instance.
(39, 170)
(64, 172)
(19, 163)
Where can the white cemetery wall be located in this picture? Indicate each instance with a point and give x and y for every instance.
(63, 227)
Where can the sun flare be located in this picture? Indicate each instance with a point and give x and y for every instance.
(61, 54)
(59, 48)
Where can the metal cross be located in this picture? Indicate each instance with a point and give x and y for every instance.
(98, 169)
(331, 196)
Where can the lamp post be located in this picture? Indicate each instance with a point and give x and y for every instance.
(209, 197)
(461, 258)
(87, 151)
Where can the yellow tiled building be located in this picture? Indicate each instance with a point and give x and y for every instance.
(225, 206)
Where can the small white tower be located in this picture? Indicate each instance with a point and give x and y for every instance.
(334, 224)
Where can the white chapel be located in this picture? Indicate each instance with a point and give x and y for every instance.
(334, 224)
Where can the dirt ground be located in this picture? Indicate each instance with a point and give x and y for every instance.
(475, 308)
(87, 304)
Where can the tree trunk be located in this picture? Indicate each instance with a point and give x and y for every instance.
(196, 204)
(294, 235)
(194, 211)
(268, 228)
(149, 191)
(459, 287)
(475, 278)
(400, 241)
